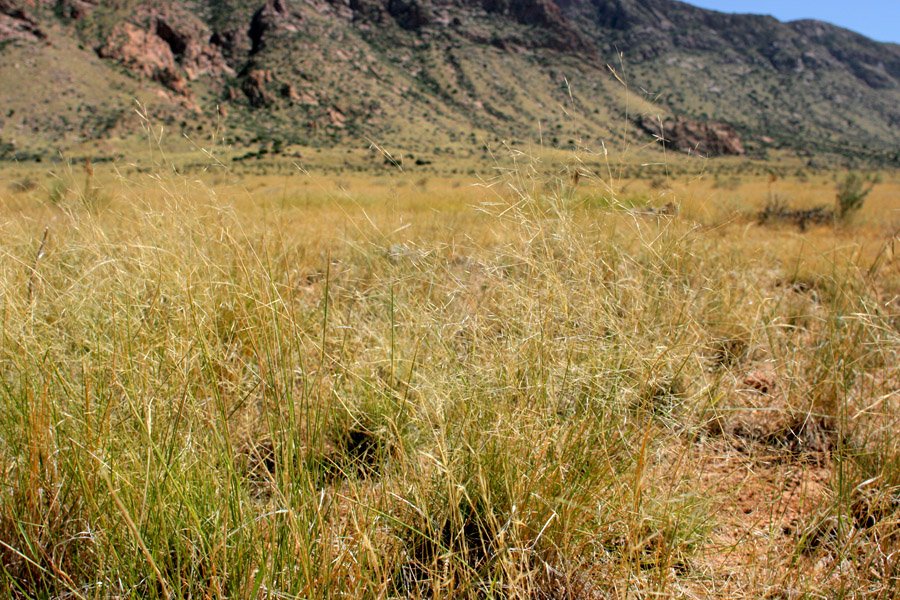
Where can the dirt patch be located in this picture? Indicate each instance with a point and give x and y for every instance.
(760, 508)
(758, 419)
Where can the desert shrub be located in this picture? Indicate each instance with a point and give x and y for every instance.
(779, 211)
(57, 192)
(851, 194)
(21, 186)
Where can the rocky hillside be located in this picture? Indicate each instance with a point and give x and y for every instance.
(429, 74)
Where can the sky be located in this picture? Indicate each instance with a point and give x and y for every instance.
(877, 19)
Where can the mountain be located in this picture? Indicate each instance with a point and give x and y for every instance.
(431, 74)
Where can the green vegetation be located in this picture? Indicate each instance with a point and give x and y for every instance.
(851, 194)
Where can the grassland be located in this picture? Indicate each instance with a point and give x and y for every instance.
(296, 379)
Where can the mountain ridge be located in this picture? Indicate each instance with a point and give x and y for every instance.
(434, 72)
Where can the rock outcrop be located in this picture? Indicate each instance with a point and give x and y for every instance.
(710, 138)
(16, 23)
(143, 52)
(547, 25)
(255, 87)
(528, 12)
(274, 17)
(75, 9)
(409, 14)
(189, 41)
(167, 46)
(552, 27)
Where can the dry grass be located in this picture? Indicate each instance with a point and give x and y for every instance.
(291, 387)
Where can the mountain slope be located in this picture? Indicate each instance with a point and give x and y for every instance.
(805, 83)
(428, 73)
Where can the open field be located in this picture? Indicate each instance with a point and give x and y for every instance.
(317, 377)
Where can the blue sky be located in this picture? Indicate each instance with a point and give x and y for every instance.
(877, 19)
